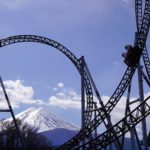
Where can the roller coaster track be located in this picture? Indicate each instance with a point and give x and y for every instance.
(123, 126)
(140, 42)
(139, 22)
(91, 125)
(138, 14)
(65, 51)
(146, 62)
(109, 106)
(85, 132)
(142, 36)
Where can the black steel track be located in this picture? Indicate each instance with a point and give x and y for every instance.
(74, 142)
(90, 126)
(143, 24)
(144, 28)
(146, 61)
(139, 21)
(65, 51)
(138, 14)
(140, 42)
(123, 126)
(109, 106)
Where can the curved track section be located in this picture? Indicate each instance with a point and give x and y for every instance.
(146, 61)
(140, 42)
(65, 51)
(74, 142)
(138, 14)
(145, 52)
(92, 125)
(139, 22)
(109, 106)
(146, 24)
(123, 126)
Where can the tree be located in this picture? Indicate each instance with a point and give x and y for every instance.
(9, 137)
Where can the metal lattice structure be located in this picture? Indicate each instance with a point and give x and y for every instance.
(123, 126)
(10, 110)
(66, 52)
(113, 133)
(103, 140)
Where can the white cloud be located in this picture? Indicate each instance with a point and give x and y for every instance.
(60, 85)
(18, 94)
(64, 103)
(65, 98)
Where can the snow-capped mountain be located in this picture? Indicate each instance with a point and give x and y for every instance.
(55, 129)
(43, 120)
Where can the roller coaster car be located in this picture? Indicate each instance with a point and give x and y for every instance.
(132, 56)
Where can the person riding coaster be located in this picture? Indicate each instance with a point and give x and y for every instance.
(132, 56)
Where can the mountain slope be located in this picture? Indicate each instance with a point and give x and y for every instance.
(55, 129)
(59, 136)
(43, 120)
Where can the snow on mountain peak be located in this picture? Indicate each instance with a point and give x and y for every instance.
(43, 120)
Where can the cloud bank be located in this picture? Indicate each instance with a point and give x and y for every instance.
(64, 98)
(18, 94)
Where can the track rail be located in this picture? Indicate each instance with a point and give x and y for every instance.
(140, 42)
(123, 126)
(146, 23)
(139, 22)
(138, 14)
(143, 26)
(74, 142)
(90, 126)
(65, 51)
(146, 62)
(145, 52)
(109, 106)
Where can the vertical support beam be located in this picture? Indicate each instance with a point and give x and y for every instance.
(127, 110)
(82, 97)
(107, 124)
(137, 139)
(12, 114)
(141, 95)
(133, 147)
(95, 114)
(82, 93)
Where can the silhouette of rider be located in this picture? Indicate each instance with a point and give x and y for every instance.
(132, 56)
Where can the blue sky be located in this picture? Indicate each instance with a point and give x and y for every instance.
(40, 76)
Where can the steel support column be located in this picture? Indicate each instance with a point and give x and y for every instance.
(12, 114)
(141, 95)
(82, 95)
